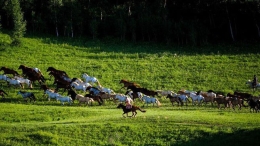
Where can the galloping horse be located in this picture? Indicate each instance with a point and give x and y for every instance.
(79, 97)
(174, 99)
(60, 72)
(26, 95)
(9, 71)
(133, 110)
(95, 98)
(127, 83)
(33, 74)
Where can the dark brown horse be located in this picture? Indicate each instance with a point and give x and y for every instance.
(174, 99)
(9, 71)
(31, 74)
(56, 71)
(133, 110)
(95, 98)
(127, 83)
(62, 84)
(148, 92)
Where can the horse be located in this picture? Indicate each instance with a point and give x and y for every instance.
(122, 98)
(63, 99)
(60, 72)
(24, 81)
(3, 93)
(134, 95)
(174, 99)
(51, 94)
(128, 83)
(195, 97)
(244, 96)
(3, 77)
(254, 105)
(94, 91)
(58, 76)
(233, 101)
(148, 99)
(32, 73)
(62, 84)
(95, 98)
(164, 92)
(77, 86)
(183, 97)
(148, 92)
(88, 79)
(208, 96)
(105, 90)
(220, 101)
(14, 82)
(26, 95)
(133, 110)
(79, 97)
(9, 71)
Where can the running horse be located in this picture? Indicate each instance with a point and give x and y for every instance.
(32, 74)
(127, 83)
(9, 71)
(133, 110)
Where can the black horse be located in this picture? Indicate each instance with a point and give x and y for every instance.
(133, 110)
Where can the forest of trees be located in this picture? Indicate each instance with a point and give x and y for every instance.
(193, 22)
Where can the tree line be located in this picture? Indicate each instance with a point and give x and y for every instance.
(181, 22)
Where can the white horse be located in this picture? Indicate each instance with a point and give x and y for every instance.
(14, 82)
(106, 90)
(24, 81)
(183, 97)
(122, 98)
(195, 97)
(77, 86)
(51, 94)
(79, 81)
(90, 79)
(3, 77)
(164, 92)
(147, 100)
(63, 99)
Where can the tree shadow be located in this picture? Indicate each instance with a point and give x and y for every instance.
(238, 138)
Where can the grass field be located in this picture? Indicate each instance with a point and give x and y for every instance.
(223, 68)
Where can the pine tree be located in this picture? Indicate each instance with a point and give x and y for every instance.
(19, 24)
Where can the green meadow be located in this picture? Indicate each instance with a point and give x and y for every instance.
(220, 67)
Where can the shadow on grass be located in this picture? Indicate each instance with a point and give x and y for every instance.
(117, 46)
(238, 138)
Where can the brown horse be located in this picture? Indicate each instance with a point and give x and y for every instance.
(31, 74)
(133, 110)
(95, 98)
(174, 99)
(148, 92)
(128, 83)
(56, 71)
(9, 71)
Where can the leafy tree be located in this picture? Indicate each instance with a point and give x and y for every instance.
(19, 27)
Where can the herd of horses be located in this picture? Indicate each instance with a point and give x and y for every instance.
(133, 90)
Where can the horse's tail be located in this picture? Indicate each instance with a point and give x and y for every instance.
(158, 102)
(142, 110)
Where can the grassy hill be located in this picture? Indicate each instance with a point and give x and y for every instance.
(223, 68)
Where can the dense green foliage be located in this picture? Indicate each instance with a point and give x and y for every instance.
(221, 68)
(196, 22)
